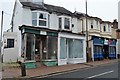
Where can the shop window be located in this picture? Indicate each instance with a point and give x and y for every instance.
(78, 48)
(75, 47)
(111, 50)
(63, 54)
(10, 43)
(71, 50)
(30, 47)
(95, 50)
(52, 47)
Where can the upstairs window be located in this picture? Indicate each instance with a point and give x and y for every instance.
(97, 24)
(34, 18)
(39, 19)
(67, 23)
(91, 24)
(60, 23)
(42, 19)
(109, 30)
(104, 28)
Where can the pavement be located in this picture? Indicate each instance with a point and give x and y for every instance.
(104, 71)
(43, 71)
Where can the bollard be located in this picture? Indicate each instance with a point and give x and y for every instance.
(23, 69)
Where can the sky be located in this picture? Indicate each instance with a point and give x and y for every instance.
(107, 10)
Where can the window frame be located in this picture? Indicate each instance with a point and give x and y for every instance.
(66, 23)
(63, 22)
(109, 28)
(104, 28)
(8, 41)
(91, 23)
(44, 19)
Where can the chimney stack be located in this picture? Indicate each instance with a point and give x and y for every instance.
(39, 2)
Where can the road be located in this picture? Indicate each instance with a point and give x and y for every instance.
(104, 71)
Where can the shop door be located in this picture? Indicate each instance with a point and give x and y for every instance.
(106, 51)
(37, 48)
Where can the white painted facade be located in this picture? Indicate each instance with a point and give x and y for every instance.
(119, 15)
(118, 46)
(10, 54)
(23, 16)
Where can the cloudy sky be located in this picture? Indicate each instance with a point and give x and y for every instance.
(104, 9)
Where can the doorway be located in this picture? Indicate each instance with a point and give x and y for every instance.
(40, 45)
(106, 51)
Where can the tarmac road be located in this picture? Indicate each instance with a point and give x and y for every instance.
(104, 71)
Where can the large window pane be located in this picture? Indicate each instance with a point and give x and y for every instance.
(34, 15)
(78, 48)
(30, 47)
(63, 54)
(42, 23)
(34, 22)
(42, 16)
(52, 47)
(67, 23)
(60, 23)
(71, 48)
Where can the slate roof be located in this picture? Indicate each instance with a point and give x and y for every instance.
(47, 7)
(79, 14)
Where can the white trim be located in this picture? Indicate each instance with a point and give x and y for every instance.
(62, 21)
(92, 49)
(42, 19)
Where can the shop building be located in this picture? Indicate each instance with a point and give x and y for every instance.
(47, 34)
(102, 45)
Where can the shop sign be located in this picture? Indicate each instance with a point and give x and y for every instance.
(106, 42)
(43, 32)
(52, 34)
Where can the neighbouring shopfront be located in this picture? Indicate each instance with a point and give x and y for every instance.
(103, 48)
(97, 53)
(112, 49)
(39, 46)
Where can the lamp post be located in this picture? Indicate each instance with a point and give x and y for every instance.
(87, 44)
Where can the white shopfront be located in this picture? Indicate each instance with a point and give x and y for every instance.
(71, 48)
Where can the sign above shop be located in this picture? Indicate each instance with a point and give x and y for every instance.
(43, 32)
(106, 42)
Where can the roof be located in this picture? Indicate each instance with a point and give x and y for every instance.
(106, 22)
(79, 14)
(47, 7)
